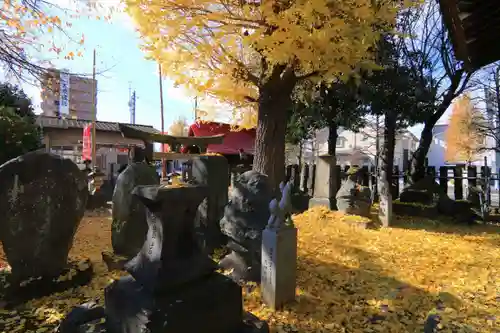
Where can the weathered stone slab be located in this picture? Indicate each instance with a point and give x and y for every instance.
(279, 266)
(211, 171)
(325, 183)
(129, 227)
(42, 201)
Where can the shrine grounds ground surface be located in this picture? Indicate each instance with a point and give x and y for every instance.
(349, 280)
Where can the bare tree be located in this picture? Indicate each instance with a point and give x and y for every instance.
(428, 52)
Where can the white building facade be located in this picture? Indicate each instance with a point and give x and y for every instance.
(355, 148)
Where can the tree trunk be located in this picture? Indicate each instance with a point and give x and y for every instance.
(417, 165)
(387, 154)
(269, 159)
(299, 158)
(332, 139)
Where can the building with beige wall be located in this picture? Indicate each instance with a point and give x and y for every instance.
(65, 136)
(79, 93)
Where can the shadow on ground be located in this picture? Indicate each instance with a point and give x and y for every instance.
(445, 225)
(362, 298)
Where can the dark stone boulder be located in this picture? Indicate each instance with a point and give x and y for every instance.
(245, 217)
(42, 201)
(354, 199)
(129, 227)
(425, 191)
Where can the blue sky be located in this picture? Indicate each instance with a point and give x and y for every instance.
(120, 62)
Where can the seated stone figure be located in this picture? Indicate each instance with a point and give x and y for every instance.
(352, 198)
(245, 217)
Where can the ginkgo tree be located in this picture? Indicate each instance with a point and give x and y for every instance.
(253, 53)
(464, 138)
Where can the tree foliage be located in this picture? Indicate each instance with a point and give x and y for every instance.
(464, 139)
(252, 54)
(229, 49)
(19, 133)
(301, 123)
(333, 106)
(179, 127)
(397, 94)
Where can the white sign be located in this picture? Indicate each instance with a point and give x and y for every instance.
(64, 93)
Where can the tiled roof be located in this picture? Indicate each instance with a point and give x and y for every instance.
(54, 122)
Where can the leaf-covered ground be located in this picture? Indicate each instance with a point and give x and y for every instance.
(349, 280)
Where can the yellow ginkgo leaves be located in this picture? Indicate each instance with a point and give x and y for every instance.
(349, 280)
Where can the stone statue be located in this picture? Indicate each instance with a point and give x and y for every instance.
(352, 198)
(280, 213)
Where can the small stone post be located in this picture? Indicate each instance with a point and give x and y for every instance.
(385, 203)
(326, 182)
(279, 252)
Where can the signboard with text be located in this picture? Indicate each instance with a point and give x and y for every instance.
(64, 93)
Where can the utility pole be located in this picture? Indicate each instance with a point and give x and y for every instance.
(131, 103)
(94, 113)
(195, 108)
(163, 161)
(497, 125)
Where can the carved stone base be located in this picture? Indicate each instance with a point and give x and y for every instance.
(213, 304)
(279, 266)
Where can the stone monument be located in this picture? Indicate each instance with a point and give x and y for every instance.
(129, 227)
(173, 285)
(42, 200)
(385, 203)
(279, 252)
(325, 182)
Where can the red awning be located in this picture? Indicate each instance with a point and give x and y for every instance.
(233, 140)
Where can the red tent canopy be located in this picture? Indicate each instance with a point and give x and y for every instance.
(233, 140)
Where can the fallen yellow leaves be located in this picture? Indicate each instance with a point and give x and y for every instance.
(349, 280)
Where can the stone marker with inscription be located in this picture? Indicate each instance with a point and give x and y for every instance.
(385, 204)
(279, 252)
(325, 183)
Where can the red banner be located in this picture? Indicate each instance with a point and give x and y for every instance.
(166, 148)
(87, 143)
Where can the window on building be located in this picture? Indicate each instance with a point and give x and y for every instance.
(340, 142)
